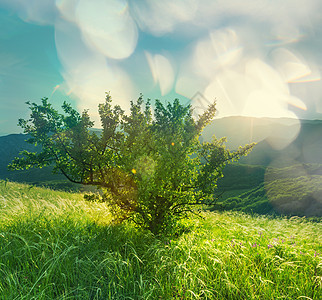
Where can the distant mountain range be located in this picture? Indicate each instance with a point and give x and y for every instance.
(287, 157)
(280, 142)
(10, 147)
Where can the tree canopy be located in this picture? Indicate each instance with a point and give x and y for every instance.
(150, 163)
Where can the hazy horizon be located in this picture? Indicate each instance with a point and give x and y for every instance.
(280, 120)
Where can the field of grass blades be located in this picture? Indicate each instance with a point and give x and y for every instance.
(56, 245)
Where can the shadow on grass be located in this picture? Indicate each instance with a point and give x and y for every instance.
(64, 258)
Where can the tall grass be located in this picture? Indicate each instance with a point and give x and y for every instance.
(54, 245)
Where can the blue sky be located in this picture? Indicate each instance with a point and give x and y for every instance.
(255, 57)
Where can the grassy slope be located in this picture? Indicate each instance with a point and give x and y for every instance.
(295, 190)
(54, 245)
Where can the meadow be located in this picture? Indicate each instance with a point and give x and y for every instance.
(56, 245)
(294, 191)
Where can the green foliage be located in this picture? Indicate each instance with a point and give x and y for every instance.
(150, 163)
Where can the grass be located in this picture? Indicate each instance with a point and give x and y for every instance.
(54, 245)
(293, 191)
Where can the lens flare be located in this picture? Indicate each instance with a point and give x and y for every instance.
(291, 67)
(161, 17)
(55, 89)
(107, 27)
(87, 74)
(221, 49)
(296, 102)
(162, 71)
(41, 12)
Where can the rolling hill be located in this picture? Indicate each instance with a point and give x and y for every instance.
(295, 190)
(283, 173)
(56, 245)
(288, 153)
(10, 147)
(280, 142)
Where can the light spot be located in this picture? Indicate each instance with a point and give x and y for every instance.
(221, 49)
(107, 27)
(160, 17)
(87, 74)
(162, 71)
(42, 12)
(292, 67)
(55, 89)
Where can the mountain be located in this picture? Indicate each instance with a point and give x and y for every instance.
(10, 147)
(243, 130)
(280, 142)
(294, 190)
(282, 174)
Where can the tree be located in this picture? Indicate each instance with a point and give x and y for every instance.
(150, 164)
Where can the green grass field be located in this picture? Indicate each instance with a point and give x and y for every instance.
(55, 245)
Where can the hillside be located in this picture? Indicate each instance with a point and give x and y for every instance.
(295, 190)
(280, 142)
(276, 138)
(54, 245)
(10, 147)
(288, 146)
(286, 141)
(243, 130)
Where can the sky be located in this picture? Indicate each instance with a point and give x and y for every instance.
(259, 58)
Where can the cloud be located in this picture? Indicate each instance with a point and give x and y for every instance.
(254, 56)
(245, 82)
(91, 38)
(67, 9)
(302, 13)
